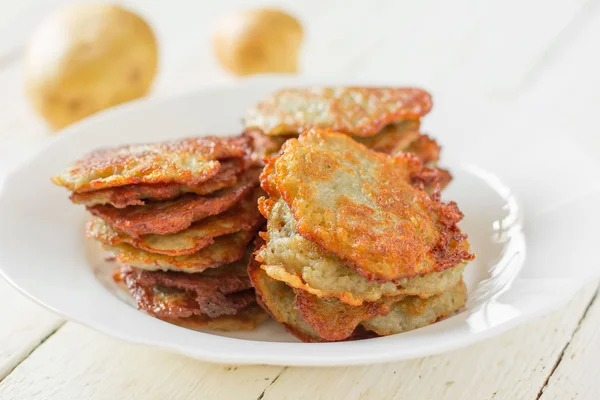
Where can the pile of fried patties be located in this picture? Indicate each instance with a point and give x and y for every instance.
(356, 244)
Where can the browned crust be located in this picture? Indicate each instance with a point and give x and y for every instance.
(419, 233)
(242, 216)
(173, 216)
(245, 320)
(137, 194)
(334, 320)
(225, 249)
(258, 278)
(181, 295)
(425, 148)
(263, 145)
(393, 139)
(162, 162)
(358, 111)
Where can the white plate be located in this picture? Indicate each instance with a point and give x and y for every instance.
(521, 260)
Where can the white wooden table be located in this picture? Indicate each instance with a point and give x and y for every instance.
(536, 54)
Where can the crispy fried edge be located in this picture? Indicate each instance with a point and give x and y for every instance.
(138, 194)
(333, 320)
(242, 216)
(448, 214)
(417, 108)
(178, 215)
(245, 320)
(415, 306)
(239, 145)
(185, 263)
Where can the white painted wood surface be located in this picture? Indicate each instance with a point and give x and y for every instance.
(512, 366)
(537, 55)
(577, 374)
(24, 326)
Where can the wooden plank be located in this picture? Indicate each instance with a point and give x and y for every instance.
(78, 363)
(512, 366)
(104, 368)
(24, 326)
(92, 366)
(576, 376)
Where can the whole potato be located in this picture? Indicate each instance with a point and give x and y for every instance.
(258, 41)
(86, 58)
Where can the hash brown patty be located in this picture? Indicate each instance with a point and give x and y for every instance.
(172, 216)
(314, 319)
(357, 111)
(225, 249)
(187, 161)
(138, 194)
(291, 258)
(362, 206)
(242, 216)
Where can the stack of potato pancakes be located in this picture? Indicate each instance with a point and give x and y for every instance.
(358, 243)
(386, 120)
(179, 217)
(353, 242)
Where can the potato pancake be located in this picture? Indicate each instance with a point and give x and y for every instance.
(224, 250)
(357, 111)
(313, 319)
(138, 194)
(242, 216)
(172, 216)
(291, 258)
(362, 207)
(188, 161)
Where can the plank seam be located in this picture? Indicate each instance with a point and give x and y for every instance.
(564, 349)
(26, 356)
(271, 384)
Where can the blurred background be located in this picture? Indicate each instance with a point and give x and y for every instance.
(533, 55)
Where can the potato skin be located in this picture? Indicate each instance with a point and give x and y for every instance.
(258, 41)
(87, 58)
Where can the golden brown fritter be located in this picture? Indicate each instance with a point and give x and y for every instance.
(278, 300)
(181, 295)
(414, 312)
(393, 138)
(188, 161)
(243, 216)
(245, 320)
(358, 111)
(222, 299)
(404, 137)
(333, 320)
(361, 206)
(313, 319)
(168, 217)
(224, 250)
(265, 146)
(291, 258)
(136, 195)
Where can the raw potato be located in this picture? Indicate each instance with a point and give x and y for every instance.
(87, 58)
(258, 41)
